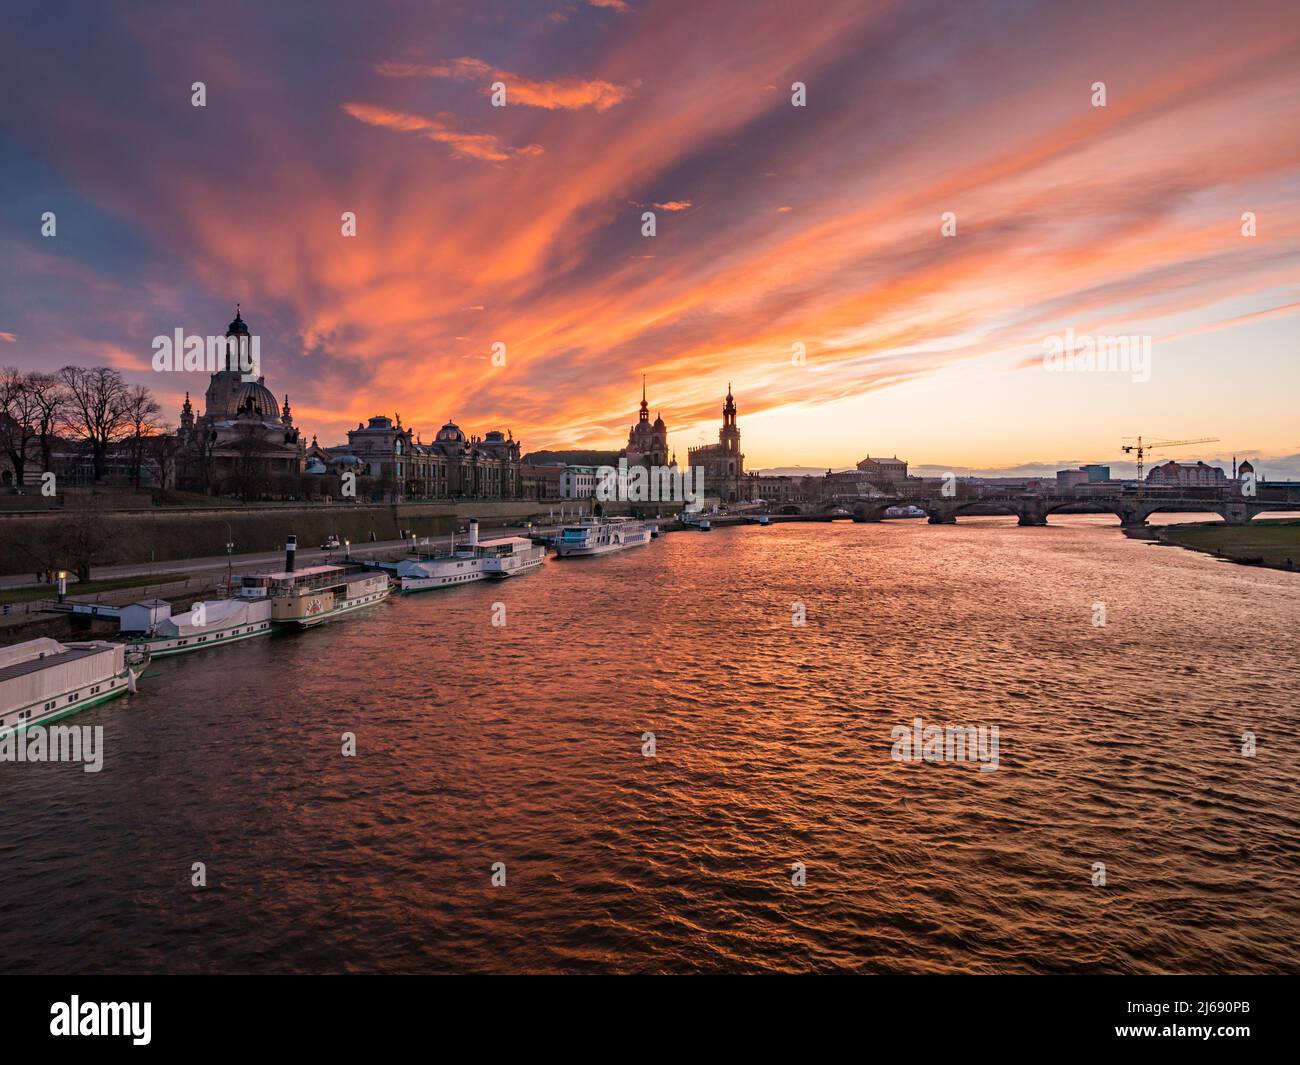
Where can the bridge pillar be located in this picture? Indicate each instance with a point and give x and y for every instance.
(1032, 513)
(866, 516)
(1238, 513)
(938, 515)
(1132, 516)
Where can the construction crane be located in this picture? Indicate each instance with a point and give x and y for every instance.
(1141, 447)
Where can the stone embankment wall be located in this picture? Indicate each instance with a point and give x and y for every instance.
(164, 534)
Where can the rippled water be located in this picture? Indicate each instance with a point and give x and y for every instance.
(522, 744)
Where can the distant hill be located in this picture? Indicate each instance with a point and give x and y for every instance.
(572, 458)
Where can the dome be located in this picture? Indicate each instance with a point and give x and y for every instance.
(659, 422)
(263, 402)
(237, 326)
(451, 433)
(1245, 467)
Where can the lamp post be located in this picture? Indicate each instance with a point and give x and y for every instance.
(230, 547)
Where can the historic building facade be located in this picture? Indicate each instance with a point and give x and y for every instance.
(244, 442)
(723, 463)
(452, 466)
(1187, 475)
(647, 442)
(884, 473)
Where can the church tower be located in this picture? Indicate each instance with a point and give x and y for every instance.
(647, 442)
(729, 435)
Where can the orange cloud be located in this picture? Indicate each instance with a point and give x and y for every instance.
(463, 145)
(673, 205)
(562, 94)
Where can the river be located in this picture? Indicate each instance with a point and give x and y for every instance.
(1120, 745)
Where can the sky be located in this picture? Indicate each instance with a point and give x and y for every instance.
(799, 252)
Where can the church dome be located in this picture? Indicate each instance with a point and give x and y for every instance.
(259, 396)
(451, 433)
(237, 326)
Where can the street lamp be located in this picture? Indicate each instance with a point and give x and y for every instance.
(230, 548)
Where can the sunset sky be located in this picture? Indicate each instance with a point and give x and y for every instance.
(776, 225)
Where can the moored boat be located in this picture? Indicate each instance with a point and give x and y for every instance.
(151, 626)
(600, 536)
(473, 560)
(42, 680)
(302, 598)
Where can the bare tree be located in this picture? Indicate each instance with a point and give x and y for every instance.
(96, 410)
(84, 539)
(51, 400)
(18, 420)
(143, 423)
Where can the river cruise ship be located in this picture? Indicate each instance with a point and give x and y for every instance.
(599, 536)
(152, 627)
(473, 560)
(43, 680)
(302, 598)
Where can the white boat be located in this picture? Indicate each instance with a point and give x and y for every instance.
(42, 680)
(151, 626)
(764, 519)
(474, 560)
(600, 536)
(303, 598)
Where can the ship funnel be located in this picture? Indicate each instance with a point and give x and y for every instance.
(290, 549)
(473, 532)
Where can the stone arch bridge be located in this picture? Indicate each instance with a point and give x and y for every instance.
(1132, 509)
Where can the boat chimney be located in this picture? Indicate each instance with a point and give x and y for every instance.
(290, 549)
(473, 532)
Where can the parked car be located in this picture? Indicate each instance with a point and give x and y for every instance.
(331, 542)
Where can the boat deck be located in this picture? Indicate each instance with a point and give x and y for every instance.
(34, 665)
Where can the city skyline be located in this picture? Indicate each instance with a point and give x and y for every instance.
(776, 225)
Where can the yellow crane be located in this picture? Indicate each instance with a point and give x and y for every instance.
(1142, 448)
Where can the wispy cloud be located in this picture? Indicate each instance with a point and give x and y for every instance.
(463, 145)
(560, 94)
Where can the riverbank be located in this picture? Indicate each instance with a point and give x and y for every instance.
(1273, 544)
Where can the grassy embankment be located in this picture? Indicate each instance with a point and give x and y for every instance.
(1262, 543)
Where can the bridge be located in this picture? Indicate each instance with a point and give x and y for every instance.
(1131, 508)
